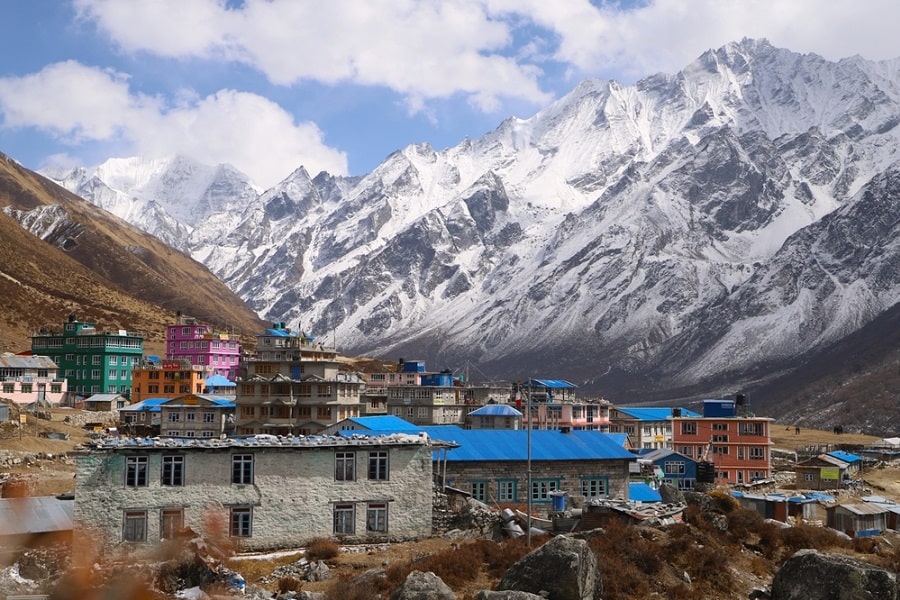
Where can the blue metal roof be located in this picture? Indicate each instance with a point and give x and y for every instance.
(619, 438)
(148, 405)
(512, 444)
(217, 380)
(845, 456)
(551, 383)
(496, 410)
(641, 492)
(384, 422)
(654, 414)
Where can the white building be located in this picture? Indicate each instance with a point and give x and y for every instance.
(268, 492)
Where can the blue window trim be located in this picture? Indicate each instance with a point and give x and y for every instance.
(603, 478)
(515, 490)
(548, 499)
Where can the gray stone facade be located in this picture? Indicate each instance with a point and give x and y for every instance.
(292, 493)
(578, 478)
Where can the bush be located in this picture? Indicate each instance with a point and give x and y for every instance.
(289, 584)
(322, 549)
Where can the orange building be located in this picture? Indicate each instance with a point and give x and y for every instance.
(727, 436)
(167, 379)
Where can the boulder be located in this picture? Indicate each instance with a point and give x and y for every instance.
(564, 568)
(814, 575)
(671, 494)
(423, 586)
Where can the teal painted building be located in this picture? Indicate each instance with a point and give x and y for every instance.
(93, 362)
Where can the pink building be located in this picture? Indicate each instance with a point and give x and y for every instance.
(199, 345)
(31, 380)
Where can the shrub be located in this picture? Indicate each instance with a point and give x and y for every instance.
(347, 589)
(321, 548)
(289, 584)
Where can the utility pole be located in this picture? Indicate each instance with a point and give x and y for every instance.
(528, 491)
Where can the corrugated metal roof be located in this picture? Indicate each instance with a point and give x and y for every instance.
(864, 509)
(217, 380)
(148, 405)
(13, 361)
(43, 514)
(654, 414)
(620, 438)
(845, 456)
(383, 422)
(496, 410)
(512, 444)
(552, 383)
(641, 492)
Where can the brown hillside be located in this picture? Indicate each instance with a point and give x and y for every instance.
(96, 266)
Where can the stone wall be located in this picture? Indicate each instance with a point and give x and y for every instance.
(292, 496)
(569, 473)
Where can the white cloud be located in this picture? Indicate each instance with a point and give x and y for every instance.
(417, 48)
(77, 103)
(665, 35)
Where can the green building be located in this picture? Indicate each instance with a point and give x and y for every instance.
(93, 362)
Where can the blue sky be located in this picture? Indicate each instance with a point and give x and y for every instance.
(337, 85)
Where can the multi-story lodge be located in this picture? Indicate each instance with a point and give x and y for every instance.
(196, 416)
(92, 361)
(373, 400)
(200, 345)
(31, 380)
(736, 443)
(293, 385)
(555, 406)
(155, 378)
(266, 492)
(647, 428)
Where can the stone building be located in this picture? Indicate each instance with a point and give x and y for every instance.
(493, 464)
(267, 492)
(293, 385)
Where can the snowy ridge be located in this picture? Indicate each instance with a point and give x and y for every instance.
(680, 230)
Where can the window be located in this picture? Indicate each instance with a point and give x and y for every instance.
(209, 417)
(174, 417)
(171, 521)
(808, 477)
(506, 490)
(134, 528)
(172, 470)
(688, 428)
(720, 438)
(752, 429)
(113, 360)
(344, 518)
(720, 449)
(136, 471)
(687, 451)
(241, 521)
(674, 467)
(591, 487)
(242, 468)
(96, 359)
(344, 466)
(479, 490)
(720, 427)
(378, 465)
(757, 453)
(376, 518)
(190, 416)
(541, 488)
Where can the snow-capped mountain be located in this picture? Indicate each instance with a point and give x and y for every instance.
(177, 199)
(698, 227)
